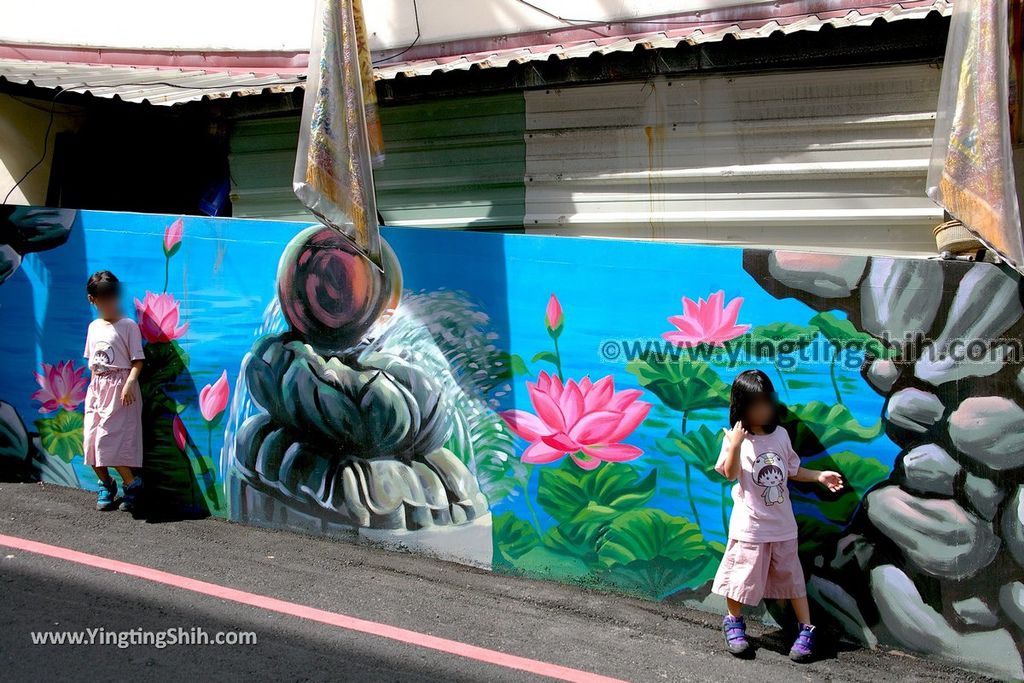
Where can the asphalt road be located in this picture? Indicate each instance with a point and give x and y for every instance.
(586, 630)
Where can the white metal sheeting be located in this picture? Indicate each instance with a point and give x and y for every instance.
(830, 158)
(143, 84)
(808, 21)
(166, 86)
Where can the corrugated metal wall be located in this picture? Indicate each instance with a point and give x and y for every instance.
(452, 163)
(814, 159)
(829, 158)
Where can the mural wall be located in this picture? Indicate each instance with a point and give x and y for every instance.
(551, 407)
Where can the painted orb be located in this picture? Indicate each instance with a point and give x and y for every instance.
(331, 294)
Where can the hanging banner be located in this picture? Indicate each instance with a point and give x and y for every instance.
(971, 169)
(340, 133)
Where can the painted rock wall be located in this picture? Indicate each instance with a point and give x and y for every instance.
(550, 407)
(933, 559)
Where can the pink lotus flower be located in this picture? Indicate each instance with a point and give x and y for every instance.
(706, 322)
(554, 317)
(158, 318)
(61, 386)
(585, 421)
(213, 398)
(172, 237)
(180, 433)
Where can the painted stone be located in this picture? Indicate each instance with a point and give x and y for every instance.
(10, 261)
(986, 304)
(983, 494)
(31, 229)
(975, 612)
(1013, 526)
(1011, 600)
(989, 429)
(900, 297)
(13, 437)
(826, 275)
(458, 480)
(882, 375)
(948, 369)
(918, 627)
(930, 469)
(853, 548)
(914, 410)
(937, 536)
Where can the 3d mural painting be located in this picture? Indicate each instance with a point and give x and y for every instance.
(552, 407)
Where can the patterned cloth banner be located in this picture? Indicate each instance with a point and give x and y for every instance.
(971, 170)
(340, 135)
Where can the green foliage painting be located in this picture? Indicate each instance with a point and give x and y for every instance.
(594, 510)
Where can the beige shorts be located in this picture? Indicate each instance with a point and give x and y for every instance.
(750, 572)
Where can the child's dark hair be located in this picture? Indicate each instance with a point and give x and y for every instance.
(103, 285)
(749, 387)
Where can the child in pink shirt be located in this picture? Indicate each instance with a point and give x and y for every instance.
(761, 559)
(113, 403)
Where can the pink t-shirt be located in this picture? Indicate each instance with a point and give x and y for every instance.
(761, 510)
(112, 346)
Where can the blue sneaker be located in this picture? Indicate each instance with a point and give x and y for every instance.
(132, 493)
(106, 495)
(803, 647)
(735, 630)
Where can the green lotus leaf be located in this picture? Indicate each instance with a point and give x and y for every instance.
(842, 333)
(584, 502)
(655, 554)
(661, 577)
(62, 434)
(769, 341)
(514, 537)
(646, 534)
(682, 384)
(699, 447)
(815, 427)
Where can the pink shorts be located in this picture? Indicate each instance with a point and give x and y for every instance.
(750, 572)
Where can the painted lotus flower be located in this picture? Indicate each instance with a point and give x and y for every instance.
(213, 398)
(553, 316)
(586, 421)
(60, 386)
(158, 318)
(706, 322)
(172, 237)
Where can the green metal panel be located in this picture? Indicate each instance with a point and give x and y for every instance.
(452, 163)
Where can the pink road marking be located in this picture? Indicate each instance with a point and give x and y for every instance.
(373, 628)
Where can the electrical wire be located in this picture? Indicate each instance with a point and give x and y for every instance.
(697, 20)
(86, 86)
(46, 146)
(416, 14)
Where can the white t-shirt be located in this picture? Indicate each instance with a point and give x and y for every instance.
(113, 346)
